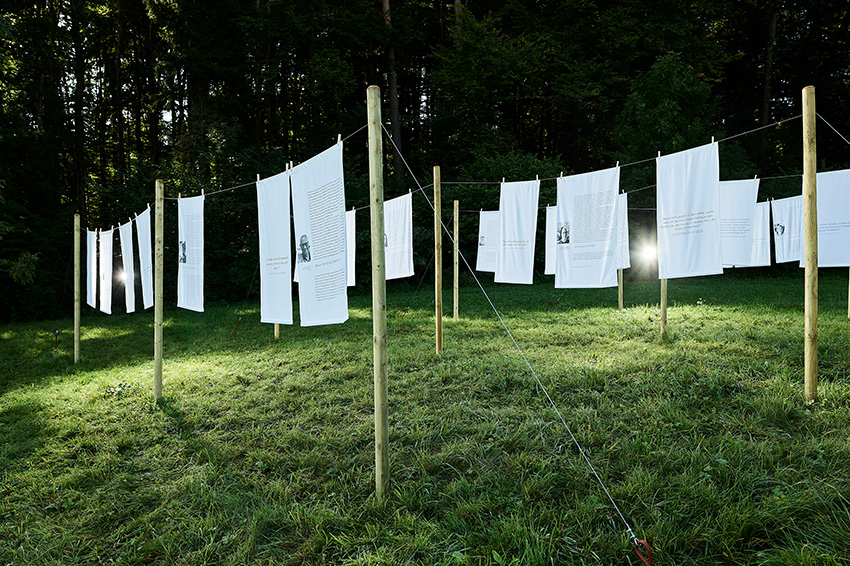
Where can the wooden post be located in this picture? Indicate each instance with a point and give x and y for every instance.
(848, 300)
(455, 287)
(379, 291)
(438, 263)
(663, 307)
(810, 214)
(76, 288)
(157, 290)
(620, 288)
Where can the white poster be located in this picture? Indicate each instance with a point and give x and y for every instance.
(587, 230)
(318, 207)
(398, 236)
(833, 190)
(551, 237)
(737, 207)
(105, 275)
(517, 232)
(350, 245)
(91, 268)
(488, 241)
(788, 228)
(688, 217)
(125, 231)
(760, 254)
(275, 249)
(624, 260)
(190, 253)
(143, 234)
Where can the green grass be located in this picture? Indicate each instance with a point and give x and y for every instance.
(262, 451)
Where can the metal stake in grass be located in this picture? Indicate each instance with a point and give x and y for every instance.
(663, 307)
(76, 288)
(455, 283)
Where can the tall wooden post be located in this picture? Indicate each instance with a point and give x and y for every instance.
(438, 263)
(456, 282)
(620, 288)
(663, 307)
(379, 290)
(810, 214)
(76, 288)
(159, 251)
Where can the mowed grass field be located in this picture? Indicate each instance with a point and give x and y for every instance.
(262, 451)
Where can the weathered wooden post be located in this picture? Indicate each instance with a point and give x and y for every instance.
(157, 289)
(455, 286)
(438, 263)
(810, 214)
(76, 288)
(379, 290)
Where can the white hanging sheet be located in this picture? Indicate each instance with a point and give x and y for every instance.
(398, 236)
(760, 253)
(190, 253)
(318, 206)
(833, 189)
(350, 246)
(517, 232)
(624, 260)
(275, 249)
(488, 241)
(788, 228)
(587, 230)
(143, 234)
(105, 275)
(91, 268)
(737, 207)
(688, 217)
(551, 237)
(125, 231)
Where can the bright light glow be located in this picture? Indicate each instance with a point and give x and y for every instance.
(648, 253)
(121, 276)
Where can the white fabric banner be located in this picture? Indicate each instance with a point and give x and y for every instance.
(833, 189)
(624, 256)
(350, 246)
(551, 237)
(737, 207)
(688, 217)
(760, 254)
(125, 231)
(788, 228)
(587, 230)
(190, 253)
(318, 206)
(105, 275)
(488, 241)
(91, 268)
(517, 232)
(143, 234)
(398, 236)
(275, 249)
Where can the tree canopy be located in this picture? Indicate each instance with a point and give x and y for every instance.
(99, 98)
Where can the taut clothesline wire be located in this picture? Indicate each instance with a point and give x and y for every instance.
(833, 129)
(631, 533)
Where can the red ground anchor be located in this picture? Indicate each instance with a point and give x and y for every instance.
(645, 559)
(237, 325)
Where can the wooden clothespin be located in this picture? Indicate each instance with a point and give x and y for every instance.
(339, 138)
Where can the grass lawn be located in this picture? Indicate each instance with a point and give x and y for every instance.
(262, 451)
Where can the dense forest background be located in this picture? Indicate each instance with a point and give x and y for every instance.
(99, 98)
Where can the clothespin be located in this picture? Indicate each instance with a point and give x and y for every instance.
(537, 177)
(712, 139)
(659, 153)
(339, 138)
(617, 165)
(258, 177)
(503, 179)
(756, 177)
(202, 191)
(561, 176)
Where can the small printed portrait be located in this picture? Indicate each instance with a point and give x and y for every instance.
(304, 249)
(182, 258)
(564, 233)
(779, 229)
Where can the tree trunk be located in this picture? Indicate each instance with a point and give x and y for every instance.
(395, 122)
